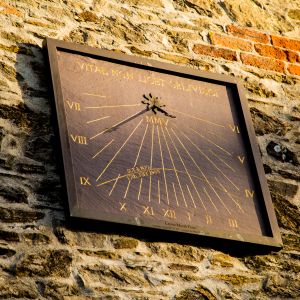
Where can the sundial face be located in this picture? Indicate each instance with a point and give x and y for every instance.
(156, 149)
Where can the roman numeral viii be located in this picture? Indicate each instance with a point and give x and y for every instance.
(79, 139)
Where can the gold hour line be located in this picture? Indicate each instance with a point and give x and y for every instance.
(222, 160)
(202, 173)
(111, 180)
(175, 193)
(158, 191)
(95, 95)
(217, 136)
(113, 106)
(137, 157)
(117, 124)
(236, 203)
(186, 170)
(116, 180)
(140, 188)
(119, 150)
(103, 148)
(190, 194)
(208, 196)
(125, 195)
(221, 185)
(92, 121)
(210, 161)
(163, 165)
(199, 119)
(171, 157)
(210, 141)
(151, 159)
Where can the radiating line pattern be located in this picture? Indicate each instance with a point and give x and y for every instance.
(178, 184)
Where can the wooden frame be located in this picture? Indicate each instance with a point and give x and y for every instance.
(62, 57)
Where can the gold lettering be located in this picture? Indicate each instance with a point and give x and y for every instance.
(123, 206)
(208, 219)
(157, 120)
(233, 223)
(189, 216)
(169, 213)
(100, 70)
(79, 139)
(148, 210)
(84, 181)
(249, 193)
(234, 128)
(73, 105)
(241, 158)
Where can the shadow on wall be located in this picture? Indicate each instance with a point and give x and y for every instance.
(27, 140)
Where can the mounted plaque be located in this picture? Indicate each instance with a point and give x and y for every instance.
(155, 145)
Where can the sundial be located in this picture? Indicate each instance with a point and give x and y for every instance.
(159, 146)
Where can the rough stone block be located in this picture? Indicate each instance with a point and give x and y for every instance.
(44, 263)
(19, 216)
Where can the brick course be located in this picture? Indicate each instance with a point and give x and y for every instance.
(230, 42)
(262, 62)
(215, 52)
(248, 34)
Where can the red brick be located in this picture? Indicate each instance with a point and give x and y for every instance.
(248, 34)
(292, 56)
(287, 43)
(270, 51)
(215, 52)
(262, 62)
(230, 42)
(9, 10)
(294, 69)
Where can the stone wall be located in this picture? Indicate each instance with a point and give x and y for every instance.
(40, 258)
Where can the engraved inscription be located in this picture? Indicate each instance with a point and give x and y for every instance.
(233, 223)
(169, 213)
(208, 219)
(73, 105)
(249, 193)
(241, 158)
(123, 206)
(84, 181)
(79, 139)
(141, 171)
(234, 128)
(148, 210)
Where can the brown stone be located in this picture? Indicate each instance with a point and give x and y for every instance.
(199, 293)
(294, 14)
(11, 288)
(265, 124)
(9, 236)
(19, 216)
(183, 267)
(125, 243)
(45, 263)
